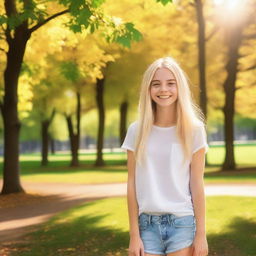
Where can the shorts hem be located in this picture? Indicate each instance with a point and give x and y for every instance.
(177, 249)
(150, 252)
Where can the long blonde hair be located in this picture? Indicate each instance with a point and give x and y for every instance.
(189, 115)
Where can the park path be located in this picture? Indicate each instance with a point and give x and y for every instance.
(56, 197)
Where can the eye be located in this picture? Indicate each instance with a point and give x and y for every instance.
(171, 84)
(155, 85)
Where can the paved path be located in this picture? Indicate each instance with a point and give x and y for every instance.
(119, 189)
(16, 221)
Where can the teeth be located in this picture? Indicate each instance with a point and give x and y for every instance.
(164, 97)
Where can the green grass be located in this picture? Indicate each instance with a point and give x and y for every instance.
(115, 170)
(244, 155)
(101, 228)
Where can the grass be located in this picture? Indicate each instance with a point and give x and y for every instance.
(115, 170)
(101, 228)
(244, 155)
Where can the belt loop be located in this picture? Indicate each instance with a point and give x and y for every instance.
(149, 219)
(169, 219)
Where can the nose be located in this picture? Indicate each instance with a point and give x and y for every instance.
(164, 87)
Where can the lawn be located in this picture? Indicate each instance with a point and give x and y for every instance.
(101, 228)
(115, 170)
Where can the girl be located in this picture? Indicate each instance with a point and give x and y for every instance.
(165, 158)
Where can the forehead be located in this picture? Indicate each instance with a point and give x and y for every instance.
(163, 74)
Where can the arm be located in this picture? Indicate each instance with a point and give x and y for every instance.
(198, 197)
(131, 195)
(136, 245)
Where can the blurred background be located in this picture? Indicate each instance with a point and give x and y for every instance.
(70, 73)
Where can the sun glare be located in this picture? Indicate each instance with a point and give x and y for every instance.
(230, 10)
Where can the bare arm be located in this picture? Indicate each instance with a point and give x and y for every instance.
(131, 195)
(198, 196)
(197, 189)
(136, 247)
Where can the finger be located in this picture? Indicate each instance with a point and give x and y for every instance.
(193, 250)
(142, 252)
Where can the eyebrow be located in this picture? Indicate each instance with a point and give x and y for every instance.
(166, 80)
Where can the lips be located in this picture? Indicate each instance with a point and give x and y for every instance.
(164, 96)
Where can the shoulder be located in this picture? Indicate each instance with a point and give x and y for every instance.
(133, 126)
(199, 131)
(199, 127)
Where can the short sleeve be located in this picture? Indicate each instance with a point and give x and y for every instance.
(129, 141)
(200, 139)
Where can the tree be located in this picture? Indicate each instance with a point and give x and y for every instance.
(234, 37)
(19, 22)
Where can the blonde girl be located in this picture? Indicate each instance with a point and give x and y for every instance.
(166, 149)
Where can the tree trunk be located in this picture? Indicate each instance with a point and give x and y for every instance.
(201, 56)
(45, 142)
(52, 145)
(45, 138)
(202, 60)
(73, 142)
(233, 44)
(101, 114)
(123, 120)
(15, 54)
(75, 137)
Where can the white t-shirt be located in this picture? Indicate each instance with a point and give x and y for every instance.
(162, 182)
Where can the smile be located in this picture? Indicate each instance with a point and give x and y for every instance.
(164, 96)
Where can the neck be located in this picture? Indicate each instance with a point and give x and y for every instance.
(165, 116)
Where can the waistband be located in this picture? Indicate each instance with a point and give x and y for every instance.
(158, 218)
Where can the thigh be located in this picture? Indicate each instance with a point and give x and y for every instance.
(188, 251)
(147, 254)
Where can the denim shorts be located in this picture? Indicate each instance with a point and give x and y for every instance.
(162, 234)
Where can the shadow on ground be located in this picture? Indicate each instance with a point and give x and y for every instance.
(239, 240)
(83, 236)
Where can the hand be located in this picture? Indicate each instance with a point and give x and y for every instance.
(200, 246)
(136, 247)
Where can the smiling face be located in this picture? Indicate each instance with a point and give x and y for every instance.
(163, 88)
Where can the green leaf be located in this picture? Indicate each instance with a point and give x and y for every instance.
(92, 28)
(164, 2)
(76, 6)
(75, 28)
(97, 3)
(70, 71)
(134, 33)
(83, 17)
(3, 19)
(124, 40)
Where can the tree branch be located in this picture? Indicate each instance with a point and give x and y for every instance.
(249, 68)
(52, 115)
(40, 24)
(3, 50)
(214, 30)
(244, 86)
(248, 37)
(87, 109)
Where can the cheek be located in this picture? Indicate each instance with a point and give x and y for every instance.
(174, 90)
(152, 92)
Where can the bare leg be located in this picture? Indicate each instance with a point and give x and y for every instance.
(146, 254)
(183, 252)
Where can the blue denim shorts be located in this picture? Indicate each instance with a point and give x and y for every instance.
(162, 234)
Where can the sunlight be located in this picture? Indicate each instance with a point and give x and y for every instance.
(230, 5)
(230, 10)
